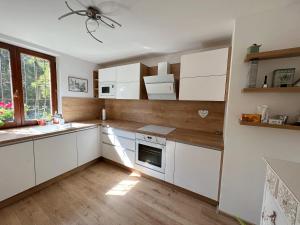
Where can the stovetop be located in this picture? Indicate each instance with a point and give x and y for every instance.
(157, 129)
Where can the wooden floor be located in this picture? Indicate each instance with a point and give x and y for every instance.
(105, 194)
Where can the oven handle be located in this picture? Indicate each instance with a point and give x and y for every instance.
(151, 144)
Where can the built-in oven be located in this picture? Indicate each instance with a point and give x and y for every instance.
(151, 152)
(107, 90)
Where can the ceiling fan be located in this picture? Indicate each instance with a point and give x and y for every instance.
(92, 14)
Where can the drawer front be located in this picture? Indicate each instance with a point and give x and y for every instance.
(272, 181)
(125, 143)
(113, 153)
(125, 134)
(107, 130)
(129, 158)
(117, 132)
(287, 202)
(108, 139)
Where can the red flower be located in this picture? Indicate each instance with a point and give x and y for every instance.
(2, 104)
(8, 105)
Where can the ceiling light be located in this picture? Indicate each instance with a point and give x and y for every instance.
(94, 17)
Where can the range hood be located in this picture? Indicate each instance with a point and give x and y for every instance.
(162, 85)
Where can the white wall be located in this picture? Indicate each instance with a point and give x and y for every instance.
(66, 66)
(170, 58)
(244, 170)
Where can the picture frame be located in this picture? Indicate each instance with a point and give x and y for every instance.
(77, 84)
(283, 77)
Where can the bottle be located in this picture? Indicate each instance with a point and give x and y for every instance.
(252, 74)
(103, 114)
(265, 85)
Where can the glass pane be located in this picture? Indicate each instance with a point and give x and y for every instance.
(150, 155)
(6, 95)
(36, 87)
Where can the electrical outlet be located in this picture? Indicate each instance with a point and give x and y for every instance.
(203, 113)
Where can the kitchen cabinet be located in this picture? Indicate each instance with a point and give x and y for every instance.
(203, 75)
(170, 162)
(128, 81)
(88, 145)
(118, 146)
(108, 75)
(16, 169)
(197, 169)
(129, 73)
(205, 63)
(129, 90)
(54, 156)
(211, 88)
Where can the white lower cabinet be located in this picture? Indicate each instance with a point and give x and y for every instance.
(54, 156)
(16, 169)
(197, 169)
(170, 162)
(119, 146)
(88, 145)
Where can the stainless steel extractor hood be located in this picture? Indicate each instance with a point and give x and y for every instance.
(162, 85)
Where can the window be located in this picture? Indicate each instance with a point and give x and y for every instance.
(27, 86)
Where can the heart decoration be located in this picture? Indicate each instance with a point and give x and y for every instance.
(203, 113)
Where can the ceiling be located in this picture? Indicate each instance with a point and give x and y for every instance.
(150, 27)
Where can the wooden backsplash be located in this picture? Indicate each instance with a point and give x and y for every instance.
(76, 109)
(179, 114)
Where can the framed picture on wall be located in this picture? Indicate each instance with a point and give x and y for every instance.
(78, 84)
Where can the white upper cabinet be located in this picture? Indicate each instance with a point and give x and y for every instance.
(211, 88)
(204, 63)
(54, 156)
(108, 74)
(88, 145)
(129, 73)
(197, 169)
(203, 76)
(16, 169)
(130, 90)
(128, 81)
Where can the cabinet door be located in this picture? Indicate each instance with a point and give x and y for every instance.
(170, 166)
(16, 169)
(210, 88)
(113, 153)
(197, 169)
(108, 74)
(129, 73)
(204, 63)
(54, 156)
(128, 90)
(88, 146)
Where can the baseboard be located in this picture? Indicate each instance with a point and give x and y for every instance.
(46, 184)
(174, 187)
(232, 217)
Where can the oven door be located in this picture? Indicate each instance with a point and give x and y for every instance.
(151, 155)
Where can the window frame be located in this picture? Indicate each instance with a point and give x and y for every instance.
(17, 86)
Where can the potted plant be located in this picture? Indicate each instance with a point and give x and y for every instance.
(6, 112)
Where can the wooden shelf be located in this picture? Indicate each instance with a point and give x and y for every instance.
(283, 53)
(272, 90)
(286, 126)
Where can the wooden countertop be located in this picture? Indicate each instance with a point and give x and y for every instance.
(23, 134)
(199, 138)
(202, 139)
